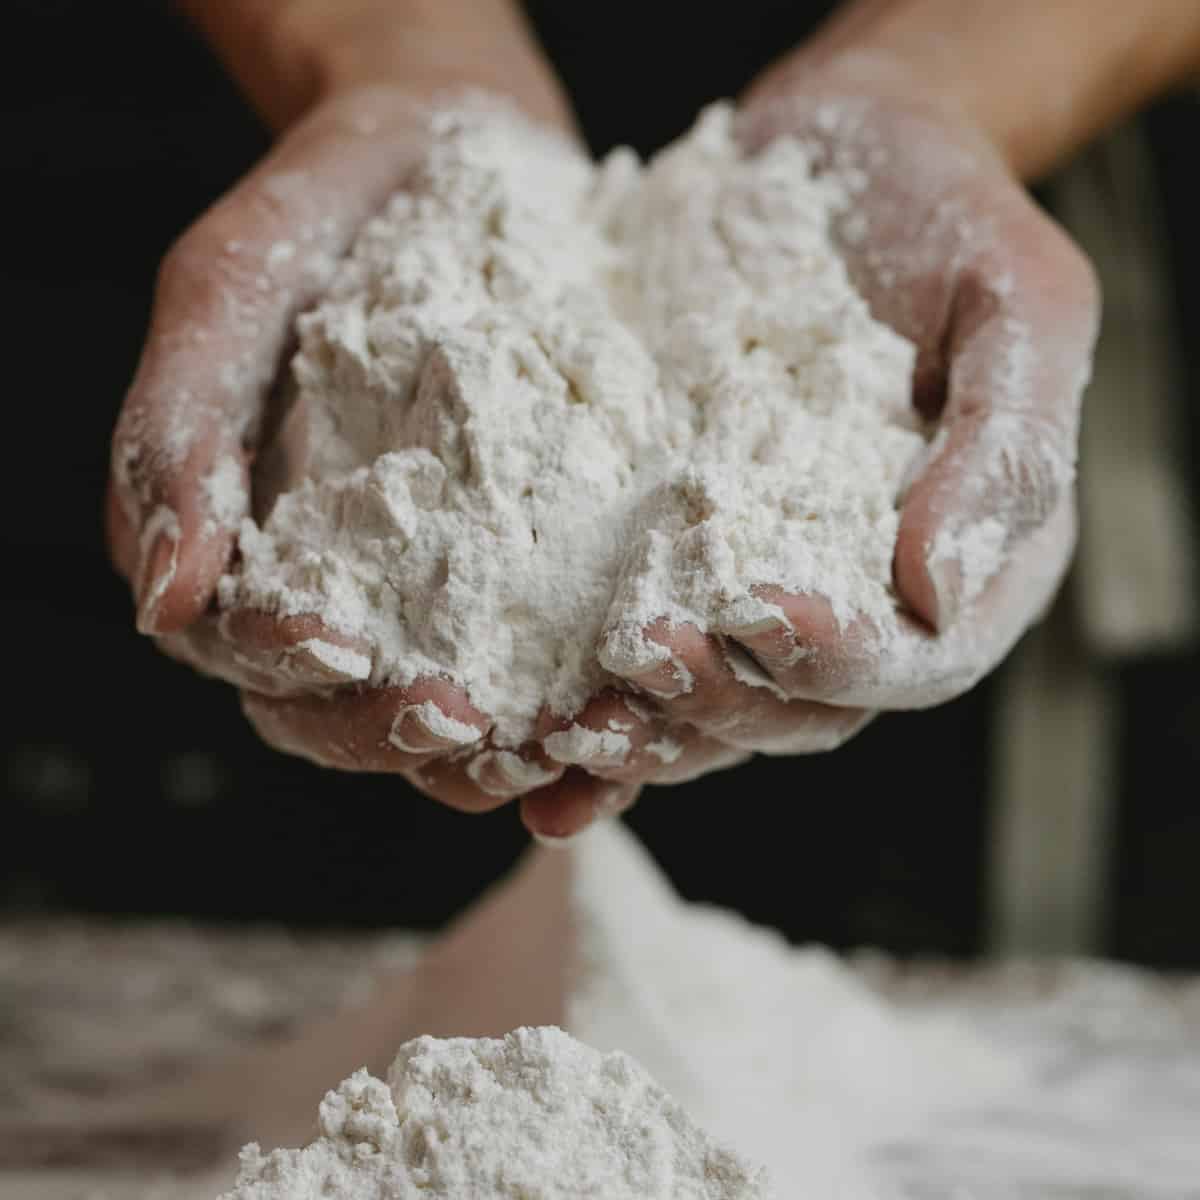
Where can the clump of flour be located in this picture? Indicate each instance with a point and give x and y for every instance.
(535, 1114)
(547, 402)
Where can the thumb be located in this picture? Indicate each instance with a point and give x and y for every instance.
(227, 295)
(1018, 358)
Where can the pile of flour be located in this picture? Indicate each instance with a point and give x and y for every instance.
(547, 402)
(535, 1115)
(779, 1052)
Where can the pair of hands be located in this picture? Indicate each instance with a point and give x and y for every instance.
(946, 246)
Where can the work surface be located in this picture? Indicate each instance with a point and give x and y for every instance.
(92, 1010)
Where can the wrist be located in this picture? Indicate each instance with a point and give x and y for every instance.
(289, 55)
(1037, 78)
(883, 78)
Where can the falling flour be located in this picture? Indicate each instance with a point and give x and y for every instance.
(679, 1017)
(778, 1050)
(533, 1116)
(547, 402)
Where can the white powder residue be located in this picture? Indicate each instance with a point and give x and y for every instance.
(666, 750)
(580, 745)
(978, 551)
(547, 402)
(503, 773)
(535, 1115)
(163, 523)
(280, 254)
(782, 1052)
(432, 721)
(225, 492)
(746, 670)
(341, 661)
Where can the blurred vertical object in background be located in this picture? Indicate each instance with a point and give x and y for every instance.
(1133, 593)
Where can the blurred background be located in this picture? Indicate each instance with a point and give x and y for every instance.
(1056, 808)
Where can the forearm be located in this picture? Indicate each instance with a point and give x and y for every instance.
(287, 54)
(1039, 77)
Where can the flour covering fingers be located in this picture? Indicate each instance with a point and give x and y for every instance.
(547, 402)
(226, 300)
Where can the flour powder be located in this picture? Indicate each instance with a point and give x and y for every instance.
(533, 1116)
(780, 1050)
(546, 402)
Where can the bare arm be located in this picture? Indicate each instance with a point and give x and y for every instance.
(1039, 77)
(289, 54)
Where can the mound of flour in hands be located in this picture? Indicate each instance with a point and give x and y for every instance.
(535, 1114)
(547, 402)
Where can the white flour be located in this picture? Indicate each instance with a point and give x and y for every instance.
(546, 402)
(779, 1050)
(533, 1116)
(782, 1053)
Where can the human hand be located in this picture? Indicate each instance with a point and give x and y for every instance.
(951, 253)
(187, 462)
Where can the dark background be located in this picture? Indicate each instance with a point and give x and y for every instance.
(129, 786)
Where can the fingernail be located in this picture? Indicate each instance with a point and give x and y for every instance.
(332, 663)
(553, 843)
(608, 804)
(945, 577)
(410, 734)
(751, 615)
(746, 671)
(765, 625)
(420, 728)
(627, 653)
(580, 746)
(503, 773)
(159, 562)
(667, 681)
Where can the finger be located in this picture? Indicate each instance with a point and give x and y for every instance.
(486, 779)
(713, 684)
(659, 752)
(203, 647)
(683, 753)
(275, 656)
(557, 813)
(609, 738)
(1019, 346)
(121, 534)
(300, 649)
(920, 668)
(677, 754)
(903, 664)
(807, 650)
(391, 730)
(227, 295)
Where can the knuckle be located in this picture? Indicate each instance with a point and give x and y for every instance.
(181, 270)
(1035, 465)
(206, 272)
(137, 465)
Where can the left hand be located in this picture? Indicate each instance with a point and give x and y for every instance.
(952, 253)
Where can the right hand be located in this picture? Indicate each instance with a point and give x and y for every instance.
(200, 407)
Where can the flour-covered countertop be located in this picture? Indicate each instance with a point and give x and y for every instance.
(92, 1010)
